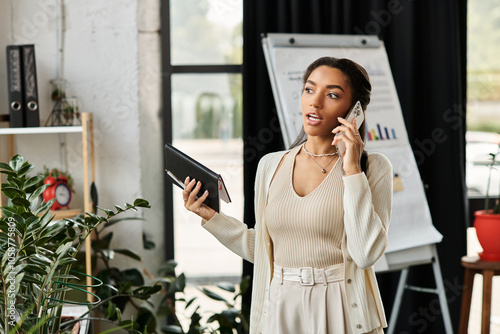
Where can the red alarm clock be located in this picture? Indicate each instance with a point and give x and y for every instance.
(58, 189)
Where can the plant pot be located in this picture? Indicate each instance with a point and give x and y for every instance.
(488, 233)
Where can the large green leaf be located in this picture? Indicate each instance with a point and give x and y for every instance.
(119, 209)
(141, 203)
(144, 292)
(66, 261)
(5, 166)
(190, 302)
(10, 173)
(41, 260)
(110, 310)
(54, 228)
(213, 295)
(41, 249)
(226, 286)
(230, 314)
(108, 213)
(33, 279)
(129, 253)
(32, 181)
(133, 276)
(36, 269)
(37, 192)
(16, 162)
(25, 169)
(33, 225)
(33, 221)
(20, 223)
(93, 220)
(15, 182)
(21, 202)
(8, 211)
(44, 207)
(146, 320)
(12, 192)
(63, 249)
(179, 283)
(16, 269)
(94, 196)
(168, 268)
(61, 277)
(146, 243)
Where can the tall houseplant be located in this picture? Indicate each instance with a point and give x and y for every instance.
(487, 221)
(37, 255)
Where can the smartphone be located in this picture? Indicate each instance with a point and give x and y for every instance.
(355, 112)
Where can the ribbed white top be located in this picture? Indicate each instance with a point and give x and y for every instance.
(306, 231)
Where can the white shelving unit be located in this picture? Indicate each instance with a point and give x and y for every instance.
(41, 130)
(87, 133)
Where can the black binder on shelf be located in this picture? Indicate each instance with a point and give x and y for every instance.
(22, 85)
(15, 86)
(32, 117)
(178, 166)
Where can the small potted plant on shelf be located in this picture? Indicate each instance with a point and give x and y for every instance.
(487, 221)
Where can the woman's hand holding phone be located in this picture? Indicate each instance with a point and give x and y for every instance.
(349, 143)
(194, 203)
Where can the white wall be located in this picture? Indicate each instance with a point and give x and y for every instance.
(111, 60)
(151, 120)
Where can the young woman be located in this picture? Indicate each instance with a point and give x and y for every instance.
(321, 219)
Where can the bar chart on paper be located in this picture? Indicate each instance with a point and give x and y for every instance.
(380, 132)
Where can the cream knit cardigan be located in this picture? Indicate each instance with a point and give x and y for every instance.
(367, 212)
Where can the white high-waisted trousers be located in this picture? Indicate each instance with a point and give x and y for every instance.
(300, 305)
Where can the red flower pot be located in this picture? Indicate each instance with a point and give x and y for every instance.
(488, 233)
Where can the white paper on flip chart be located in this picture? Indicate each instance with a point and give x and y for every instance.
(411, 221)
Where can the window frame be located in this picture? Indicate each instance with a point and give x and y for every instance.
(167, 71)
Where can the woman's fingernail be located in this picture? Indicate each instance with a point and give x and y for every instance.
(187, 179)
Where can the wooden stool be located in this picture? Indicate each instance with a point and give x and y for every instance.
(474, 265)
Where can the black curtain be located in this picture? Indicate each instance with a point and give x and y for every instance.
(426, 42)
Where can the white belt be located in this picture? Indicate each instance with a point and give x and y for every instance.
(309, 275)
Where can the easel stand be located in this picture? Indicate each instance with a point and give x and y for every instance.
(440, 291)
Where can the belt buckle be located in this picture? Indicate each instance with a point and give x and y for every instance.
(309, 269)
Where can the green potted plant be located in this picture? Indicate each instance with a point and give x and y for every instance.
(37, 255)
(487, 221)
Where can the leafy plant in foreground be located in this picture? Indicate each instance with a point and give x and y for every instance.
(37, 254)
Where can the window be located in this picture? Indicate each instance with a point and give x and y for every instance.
(203, 102)
(483, 94)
